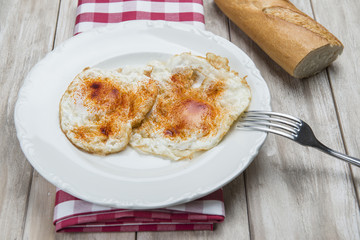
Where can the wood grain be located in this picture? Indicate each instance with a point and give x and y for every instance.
(345, 73)
(288, 192)
(39, 216)
(24, 39)
(296, 192)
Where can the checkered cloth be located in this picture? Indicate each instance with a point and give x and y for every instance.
(75, 215)
(96, 13)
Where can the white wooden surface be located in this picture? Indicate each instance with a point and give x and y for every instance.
(288, 192)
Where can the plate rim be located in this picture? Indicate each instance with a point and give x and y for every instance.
(60, 183)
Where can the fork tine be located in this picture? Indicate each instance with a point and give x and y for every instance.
(277, 123)
(281, 115)
(300, 133)
(250, 123)
(267, 118)
(265, 129)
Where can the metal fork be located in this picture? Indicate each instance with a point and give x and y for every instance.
(289, 127)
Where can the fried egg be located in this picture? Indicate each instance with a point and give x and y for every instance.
(198, 101)
(100, 108)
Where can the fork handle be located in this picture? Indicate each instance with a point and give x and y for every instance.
(339, 155)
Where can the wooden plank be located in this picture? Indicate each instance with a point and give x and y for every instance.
(25, 30)
(66, 21)
(42, 196)
(296, 192)
(235, 225)
(39, 216)
(343, 21)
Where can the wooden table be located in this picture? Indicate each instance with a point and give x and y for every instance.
(288, 192)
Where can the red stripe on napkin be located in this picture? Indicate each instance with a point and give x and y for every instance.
(127, 16)
(110, 1)
(72, 214)
(96, 13)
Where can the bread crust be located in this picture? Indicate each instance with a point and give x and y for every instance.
(285, 33)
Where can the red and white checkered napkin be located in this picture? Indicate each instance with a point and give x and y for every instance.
(96, 13)
(74, 215)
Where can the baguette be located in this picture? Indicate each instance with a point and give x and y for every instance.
(299, 44)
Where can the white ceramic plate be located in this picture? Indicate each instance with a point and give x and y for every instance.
(129, 179)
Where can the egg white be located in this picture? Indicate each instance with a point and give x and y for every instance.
(235, 97)
(76, 112)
